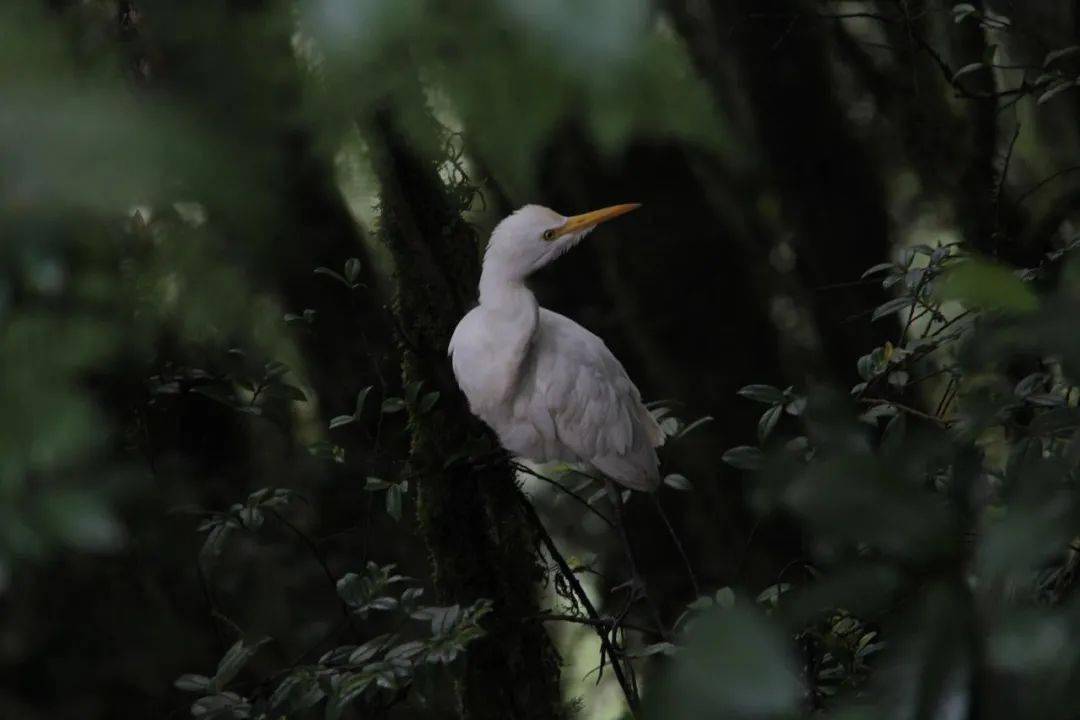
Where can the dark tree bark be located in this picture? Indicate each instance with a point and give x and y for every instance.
(480, 542)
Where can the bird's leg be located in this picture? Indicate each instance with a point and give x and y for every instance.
(638, 583)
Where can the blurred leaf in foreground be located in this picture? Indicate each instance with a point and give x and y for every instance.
(736, 665)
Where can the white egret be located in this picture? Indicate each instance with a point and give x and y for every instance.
(549, 388)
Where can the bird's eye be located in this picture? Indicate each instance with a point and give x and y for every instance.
(549, 235)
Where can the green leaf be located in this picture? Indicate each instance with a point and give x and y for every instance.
(352, 269)
(744, 457)
(306, 318)
(796, 407)
(762, 393)
(296, 693)
(221, 705)
(351, 688)
(1054, 91)
(893, 436)
(1046, 399)
(392, 405)
(768, 421)
(735, 665)
(251, 518)
(215, 543)
(880, 267)
(428, 401)
(967, 70)
(702, 603)
(394, 496)
(327, 451)
(373, 484)
(1055, 55)
(1030, 384)
(962, 11)
(678, 482)
(985, 284)
(405, 651)
(694, 425)
(370, 649)
(361, 400)
(866, 367)
(234, 660)
(283, 390)
(275, 369)
(339, 655)
(771, 595)
(888, 308)
(331, 273)
(364, 592)
(192, 683)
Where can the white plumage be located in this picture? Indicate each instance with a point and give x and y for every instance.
(550, 389)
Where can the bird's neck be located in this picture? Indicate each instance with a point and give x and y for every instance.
(502, 292)
(510, 315)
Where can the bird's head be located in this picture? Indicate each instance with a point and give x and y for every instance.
(534, 235)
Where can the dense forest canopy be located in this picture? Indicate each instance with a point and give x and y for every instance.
(238, 479)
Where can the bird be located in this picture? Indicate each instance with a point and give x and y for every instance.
(550, 389)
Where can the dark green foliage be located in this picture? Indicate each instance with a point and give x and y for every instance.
(935, 533)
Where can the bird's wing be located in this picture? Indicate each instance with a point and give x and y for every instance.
(594, 406)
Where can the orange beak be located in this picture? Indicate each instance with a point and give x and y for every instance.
(594, 218)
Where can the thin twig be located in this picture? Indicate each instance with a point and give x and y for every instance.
(949, 323)
(608, 623)
(914, 304)
(605, 642)
(1000, 188)
(615, 495)
(1043, 183)
(585, 503)
(850, 283)
(678, 544)
(907, 409)
(346, 611)
(211, 606)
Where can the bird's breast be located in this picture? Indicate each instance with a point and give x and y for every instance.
(489, 351)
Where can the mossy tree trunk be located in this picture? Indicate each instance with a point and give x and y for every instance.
(480, 542)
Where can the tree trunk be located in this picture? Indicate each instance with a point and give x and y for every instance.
(480, 542)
